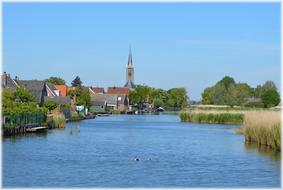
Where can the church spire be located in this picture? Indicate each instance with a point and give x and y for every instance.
(130, 59)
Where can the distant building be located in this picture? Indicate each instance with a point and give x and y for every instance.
(118, 90)
(109, 102)
(63, 89)
(8, 82)
(130, 72)
(97, 90)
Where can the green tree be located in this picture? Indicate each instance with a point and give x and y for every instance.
(179, 97)
(226, 81)
(270, 98)
(77, 82)
(22, 95)
(268, 85)
(207, 96)
(140, 95)
(83, 97)
(56, 81)
(50, 105)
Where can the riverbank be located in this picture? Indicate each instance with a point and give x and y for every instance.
(217, 118)
(263, 128)
(258, 126)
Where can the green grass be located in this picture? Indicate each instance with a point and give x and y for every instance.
(219, 118)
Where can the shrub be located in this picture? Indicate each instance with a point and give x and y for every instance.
(59, 121)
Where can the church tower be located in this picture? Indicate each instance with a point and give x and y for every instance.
(130, 72)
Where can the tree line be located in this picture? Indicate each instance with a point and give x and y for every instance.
(228, 92)
(175, 98)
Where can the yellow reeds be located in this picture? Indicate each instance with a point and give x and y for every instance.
(263, 127)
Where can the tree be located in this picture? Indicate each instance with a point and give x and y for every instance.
(81, 97)
(140, 95)
(77, 82)
(22, 95)
(50, 105)
(226, 81)
(270, 98)
(179, 97)
(207, 96)
(56, 81)
(268, 85)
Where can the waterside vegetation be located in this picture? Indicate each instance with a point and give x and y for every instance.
(219, 118)
(263, 128)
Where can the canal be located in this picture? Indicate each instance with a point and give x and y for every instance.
(138, 151)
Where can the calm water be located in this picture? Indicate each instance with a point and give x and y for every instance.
(171, 154)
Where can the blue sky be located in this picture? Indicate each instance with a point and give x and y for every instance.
(191, 45)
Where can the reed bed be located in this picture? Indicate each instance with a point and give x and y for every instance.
(212, 117)
(263, 127)
(59, 120)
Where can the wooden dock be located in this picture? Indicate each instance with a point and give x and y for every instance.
(35, 129)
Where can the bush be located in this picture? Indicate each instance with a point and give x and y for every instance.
(270, 98)
(59, 121)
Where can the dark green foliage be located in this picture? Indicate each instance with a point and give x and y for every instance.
(22, 95)
(77, 82)
(173, 98)
(227, 92)
(270, 98)
(64, 106)
(221, 118)
(81, 96)
(56, 81)
(179, 97)
(50, 105)
(19, 108)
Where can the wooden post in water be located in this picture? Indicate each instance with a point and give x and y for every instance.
(71, 131)
(79, 129)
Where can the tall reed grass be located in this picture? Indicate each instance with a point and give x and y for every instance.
(59, 120)
(263, 127)
(219, 118)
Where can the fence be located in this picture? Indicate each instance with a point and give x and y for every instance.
(25, 119)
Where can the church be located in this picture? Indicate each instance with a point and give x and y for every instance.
(130, 72)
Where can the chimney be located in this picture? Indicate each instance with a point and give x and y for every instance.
(4, 79)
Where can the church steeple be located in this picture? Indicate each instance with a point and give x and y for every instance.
(130, 71)
(130, 59)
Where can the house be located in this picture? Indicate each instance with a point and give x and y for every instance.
(118, 90)
(96, 90)
(36, 87)
(63, 89)
(58, 99)
(122, 102)
(51, 90)
(8, 82)
(110, 102)
(98, 107)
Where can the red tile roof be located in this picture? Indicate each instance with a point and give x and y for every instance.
(97, 90)
(118, 90)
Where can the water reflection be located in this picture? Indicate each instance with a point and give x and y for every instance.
(262, 151)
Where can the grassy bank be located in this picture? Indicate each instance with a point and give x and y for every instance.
(263, 127)
(220, 118)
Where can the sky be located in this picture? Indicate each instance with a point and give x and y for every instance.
(191, 45)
